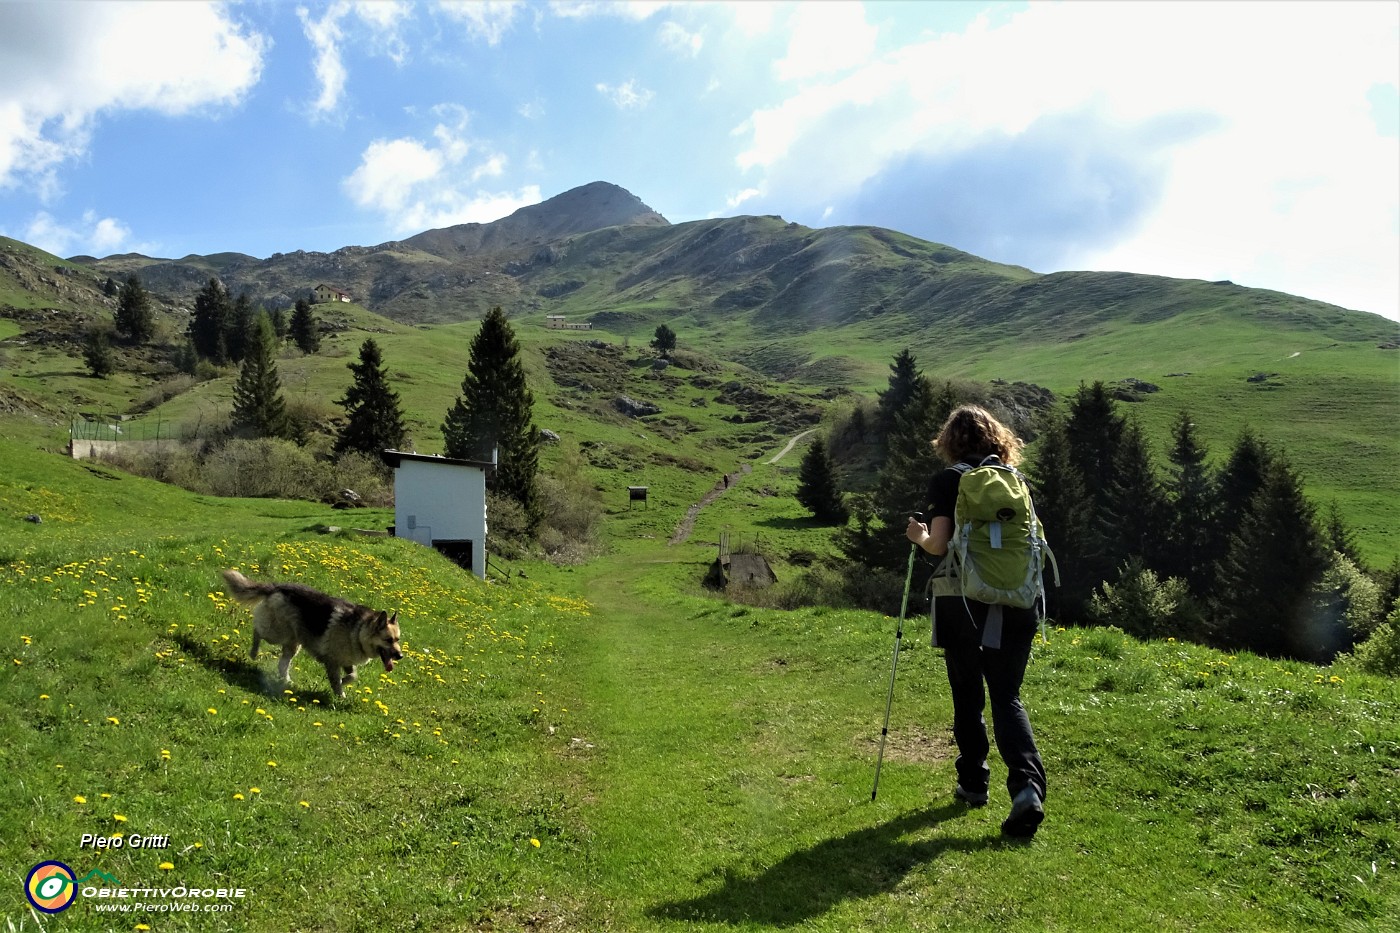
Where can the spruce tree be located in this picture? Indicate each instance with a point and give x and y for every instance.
(237, 328)
(1194, 546)
(97, 353)
(494, 409)
(258, 406)
(1267, 578)
(904, 380)
(1094, 433)
(1063, 506)
(1239, 482)
(816, 485)
(902, 486)
(134, 319)
(209, 323)
(305, 330)
(1340, 538)
(1137, 511)
(373, 420)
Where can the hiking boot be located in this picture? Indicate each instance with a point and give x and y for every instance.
(970, 797)
(1026, 814)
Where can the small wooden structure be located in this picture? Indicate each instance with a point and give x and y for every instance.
(636, 494)
(746, 568)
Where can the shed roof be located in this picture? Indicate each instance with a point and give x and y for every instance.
(395, 457)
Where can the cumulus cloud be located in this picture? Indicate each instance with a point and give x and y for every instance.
(826, 38)
(626, 96)
(327, 34)
(1197, 140)
(419, 185)
(92, 235)
(676, 38)
(487, 20)
(62, 67)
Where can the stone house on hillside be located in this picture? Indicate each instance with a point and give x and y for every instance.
(322, 294)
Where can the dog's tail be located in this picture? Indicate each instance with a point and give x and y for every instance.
(244, 590)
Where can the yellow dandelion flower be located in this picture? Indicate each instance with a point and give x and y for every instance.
(167, 866)
(304, 804)
(212, 711)
(237, 796)
(142, 926)
(535, 843)
(272, 764)
(106, 796)
(255, 790)
(114, 720)
(43, 696)
(80, 799)
(118, 817)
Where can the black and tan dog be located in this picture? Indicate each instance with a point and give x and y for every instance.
(338, 633)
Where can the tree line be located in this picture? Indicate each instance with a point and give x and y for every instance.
(1235, 556)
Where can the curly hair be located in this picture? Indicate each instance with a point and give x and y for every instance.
(971, 433)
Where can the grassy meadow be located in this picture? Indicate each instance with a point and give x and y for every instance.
(611, 747)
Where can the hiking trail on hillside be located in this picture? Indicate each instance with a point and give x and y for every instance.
(687, 524)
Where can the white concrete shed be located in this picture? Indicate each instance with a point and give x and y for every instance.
(441, 502)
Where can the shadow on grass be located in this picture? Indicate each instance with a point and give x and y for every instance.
(246, 674)
(808, 883)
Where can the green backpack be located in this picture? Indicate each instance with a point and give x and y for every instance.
(998, 549)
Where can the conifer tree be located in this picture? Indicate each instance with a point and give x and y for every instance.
(664, 341)
(1240, 479)
(1094, 432)
(816, 485)
(209, 323)
(1064, 508)
(1137, 512)
(904, 380)
(373, 420)
(1340, 538)
(134, 319)
(1194, 546)
(494, 409)
(305, 329)
(1267, 578)
(238, 326)
(258, 405)
(97, 353)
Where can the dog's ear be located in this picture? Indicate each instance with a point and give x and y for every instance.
(394, 619)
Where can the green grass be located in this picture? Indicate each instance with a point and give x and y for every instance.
(683, 763)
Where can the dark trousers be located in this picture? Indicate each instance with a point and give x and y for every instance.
(970, 666)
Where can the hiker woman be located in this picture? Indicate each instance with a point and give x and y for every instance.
(976, 652)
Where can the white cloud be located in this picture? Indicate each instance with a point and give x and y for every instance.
(488, 20)
(325, 36)
(624, 9)
(676, 38)
(92, 235)
(746, 195)
(626, 96)
(1285, 180)
(63, 66)
(826, 38)
(420, 185)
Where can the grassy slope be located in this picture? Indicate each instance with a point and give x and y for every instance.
(683, 763)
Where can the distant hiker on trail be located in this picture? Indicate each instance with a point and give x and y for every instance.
(983, 642)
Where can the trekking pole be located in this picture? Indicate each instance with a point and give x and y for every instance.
(898, 637)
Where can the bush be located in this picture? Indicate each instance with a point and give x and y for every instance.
(1145, 606)
(266, 468)
(572, 510)
(1380, 654)
(507, 527)
(367, 476)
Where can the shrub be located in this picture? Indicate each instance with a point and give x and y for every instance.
(571, 509)
(1143, 605)
(1380, 654)
(368, 476)
(266, 468)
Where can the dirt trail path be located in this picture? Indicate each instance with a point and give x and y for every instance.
(687, 524)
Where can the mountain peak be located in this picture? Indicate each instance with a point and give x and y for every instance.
(589, 207)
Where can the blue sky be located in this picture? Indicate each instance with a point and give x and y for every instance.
(1257, 141)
